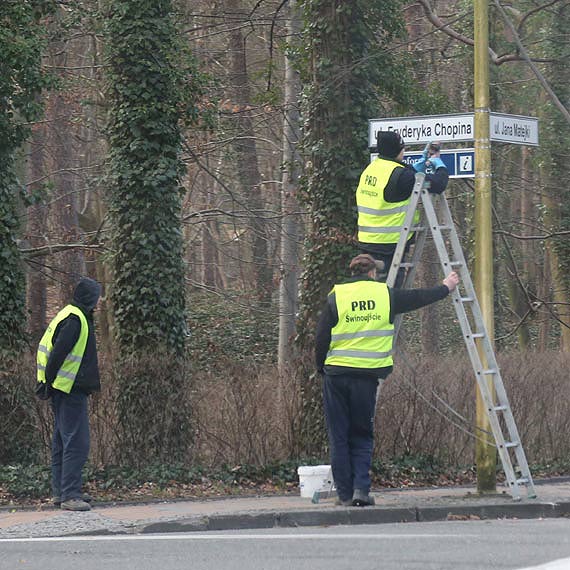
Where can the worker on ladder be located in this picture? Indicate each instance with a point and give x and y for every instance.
(353, 349)
(383, 195)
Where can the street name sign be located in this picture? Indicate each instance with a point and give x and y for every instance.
(460, 162)
(460, 127)
(514, 129)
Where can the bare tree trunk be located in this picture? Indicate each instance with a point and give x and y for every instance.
(559, 289)
(527, 215)
(208, 241)
(70, 264)
(36, 234)
(552, 282)
(247, 162)
(513, 269)
(545, 323)
(290, 224)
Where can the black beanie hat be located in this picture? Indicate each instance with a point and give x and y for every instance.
(87, 293)
(390, 143)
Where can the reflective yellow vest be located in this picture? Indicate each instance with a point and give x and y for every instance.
(363, 336)
(68, 371)
(379, 221)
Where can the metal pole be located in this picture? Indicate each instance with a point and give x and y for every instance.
(485, 455)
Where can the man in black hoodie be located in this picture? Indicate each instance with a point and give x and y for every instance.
(67, 364)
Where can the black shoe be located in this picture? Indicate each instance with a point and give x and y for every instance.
(75, 505)
(362, 499)
(341, 503)
(84, 497)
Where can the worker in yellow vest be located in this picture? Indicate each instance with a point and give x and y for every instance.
(353, 350)
(384, 192)
(67, 372)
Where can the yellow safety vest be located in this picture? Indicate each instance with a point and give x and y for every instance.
(363, 336)
(379, 221)
(68, 371)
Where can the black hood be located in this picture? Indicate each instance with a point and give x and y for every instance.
(87, 293)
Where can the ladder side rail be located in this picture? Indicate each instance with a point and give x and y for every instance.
(513, 432)
(411, 273)
(489, 355)
(405, 230)
(467, 284)
(402, 244)
(410, 276)
(418, 248)
(456, 295)
(486, 394)
(460, 257)
(514, 435)
(473, 303)
(502, 397)
(509, 467)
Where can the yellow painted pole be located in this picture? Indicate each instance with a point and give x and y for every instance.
(485, 455)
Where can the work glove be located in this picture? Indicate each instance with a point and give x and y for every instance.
(425, 153)
(435, 163)
(420, 165)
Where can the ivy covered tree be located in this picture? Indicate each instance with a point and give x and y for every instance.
(347, 62)
(145, 169)
(555, 147)
(149, 95)
(21, 81)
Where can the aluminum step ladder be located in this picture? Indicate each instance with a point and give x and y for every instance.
(436, 218)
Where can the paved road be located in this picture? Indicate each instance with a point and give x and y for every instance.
(465, 545)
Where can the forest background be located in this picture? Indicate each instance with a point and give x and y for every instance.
(200, 159)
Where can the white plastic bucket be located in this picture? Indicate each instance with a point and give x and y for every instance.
(314, 478)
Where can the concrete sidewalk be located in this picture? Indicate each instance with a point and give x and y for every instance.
(393, 505)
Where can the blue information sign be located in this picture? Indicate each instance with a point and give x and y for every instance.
(460, 162)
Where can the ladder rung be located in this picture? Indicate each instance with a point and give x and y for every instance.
(509, 444)
(500, 408)
(523, 481)
(466, 299)
(456, 264)
(443, 227)
(489, 371)
(406, 264)
(478, 335)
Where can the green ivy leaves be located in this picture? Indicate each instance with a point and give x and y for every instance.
(21, 81)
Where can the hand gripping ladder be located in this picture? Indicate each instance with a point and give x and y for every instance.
(492, 389)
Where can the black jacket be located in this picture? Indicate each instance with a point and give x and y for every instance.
(401, 301)
(399, 188)
(66, 335)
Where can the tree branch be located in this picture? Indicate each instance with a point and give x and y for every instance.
(447, 29)
(44, 250)
(533, 67)
(545, 236)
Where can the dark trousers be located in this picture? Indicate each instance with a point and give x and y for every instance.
(387, 258)
(350, 403)
(70, 443)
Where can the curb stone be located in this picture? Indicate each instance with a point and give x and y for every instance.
(353, 516)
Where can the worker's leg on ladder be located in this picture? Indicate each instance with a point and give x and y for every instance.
(386, 259)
